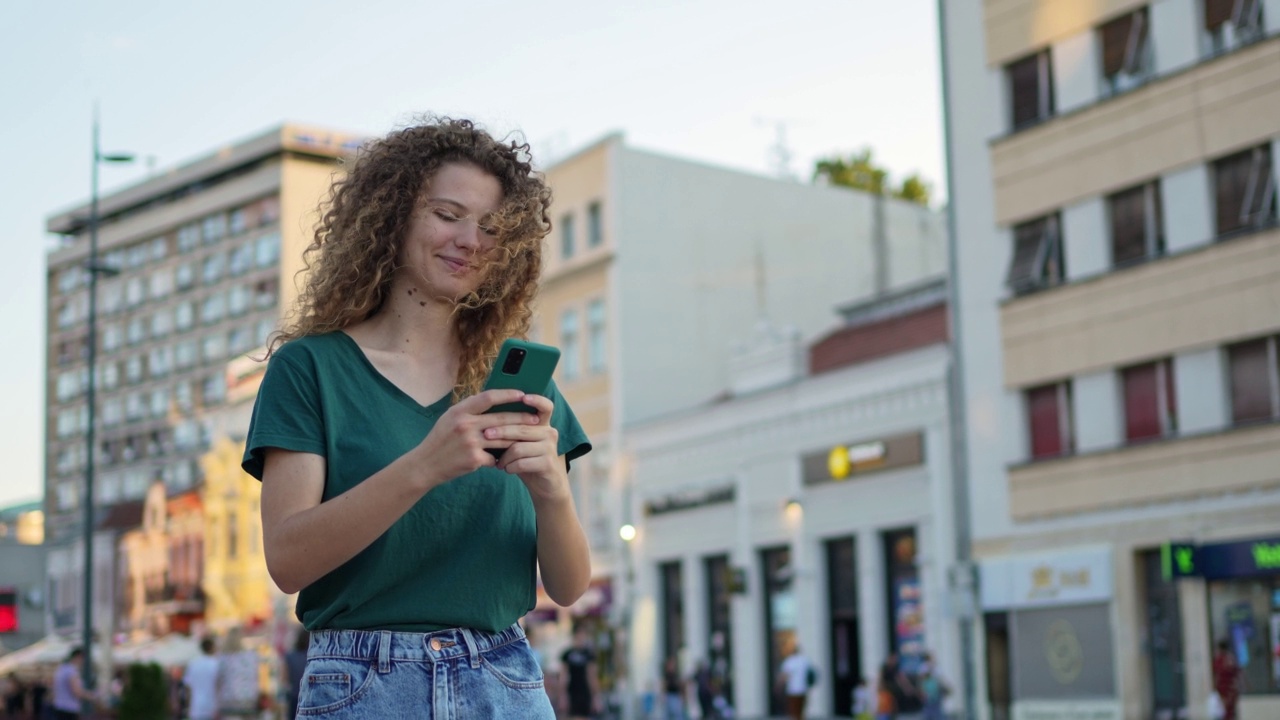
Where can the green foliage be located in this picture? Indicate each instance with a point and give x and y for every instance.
(146, 693)
(860, 172)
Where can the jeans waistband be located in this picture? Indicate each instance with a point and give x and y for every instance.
(387, 645)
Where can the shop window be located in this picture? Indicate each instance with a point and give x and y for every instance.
(1030, 82)
(1254, 377)
(719, 576)
(1150, 406)
(1037, 256)
(1049, 420)
(780, 617)
(1245, 190)
(672, 608)
(1137, 231)
(1126, 52)
(1245, 613)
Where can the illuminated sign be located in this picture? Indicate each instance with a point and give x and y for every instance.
(851, 459)
(1216, 561)
(8, 610)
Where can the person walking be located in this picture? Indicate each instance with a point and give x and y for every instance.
(68, 691)
(1226, 679)
(413, 523)
(201, 681)
(795, 677)
(238, 687)
(673, 689)
(582, 688)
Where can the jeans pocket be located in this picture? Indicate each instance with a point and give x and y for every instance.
(332, 683)
(514, 666)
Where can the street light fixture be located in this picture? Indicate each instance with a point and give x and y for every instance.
(95, 268)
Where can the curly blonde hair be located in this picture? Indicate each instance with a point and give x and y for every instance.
(355, 253)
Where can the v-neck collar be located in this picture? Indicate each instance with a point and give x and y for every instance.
(431, 410)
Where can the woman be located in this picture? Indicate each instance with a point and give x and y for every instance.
(414, 549)
(1226, 679)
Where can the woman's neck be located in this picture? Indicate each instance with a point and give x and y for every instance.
(411, 323)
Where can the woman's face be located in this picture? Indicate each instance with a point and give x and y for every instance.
(448, 236)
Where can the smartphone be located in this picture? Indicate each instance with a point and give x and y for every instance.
(521, 365)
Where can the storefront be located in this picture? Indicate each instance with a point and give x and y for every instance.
(1242, 579)
(1049, 646)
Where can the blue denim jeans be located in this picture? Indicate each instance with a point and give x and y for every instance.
(454, 674)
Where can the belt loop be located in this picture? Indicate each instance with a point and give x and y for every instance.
(384, 651)
(472, 648)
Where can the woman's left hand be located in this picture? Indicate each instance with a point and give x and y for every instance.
(533, 455)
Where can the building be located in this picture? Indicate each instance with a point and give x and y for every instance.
(1116, 265)
(206, 256)
(811, 505)
(22, 575)
(658, 266)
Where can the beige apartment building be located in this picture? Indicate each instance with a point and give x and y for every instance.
(1117, 298)
(206, 255)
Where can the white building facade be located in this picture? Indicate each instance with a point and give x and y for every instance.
(808, 509)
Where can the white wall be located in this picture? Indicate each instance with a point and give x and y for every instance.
(1076, 71)
(981, 262)
(1096, 416)
(757, 442)
(1200, 384)
(1086, 235)
(1187, 198)
(687, 238)
(1175, 30)
(1271, 15)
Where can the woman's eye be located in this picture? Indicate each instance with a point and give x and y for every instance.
(446, 216)
(489, 230)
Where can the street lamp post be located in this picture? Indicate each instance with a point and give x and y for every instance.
(95, 269)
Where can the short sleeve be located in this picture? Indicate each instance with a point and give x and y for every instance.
(573, 439)
(287, 412)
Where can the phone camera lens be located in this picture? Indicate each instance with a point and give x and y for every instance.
(514, 361)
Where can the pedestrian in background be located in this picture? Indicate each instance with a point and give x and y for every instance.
(237, 678)
(795, 677)
(201, 682)
(582, 687)
(673, 689)
(1226, 679)
(68, 691)
(295, 664)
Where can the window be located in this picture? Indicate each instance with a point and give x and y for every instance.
(595, 226)
(214, 228)
(161, 283)
(264, 293)
(185, 354)
(241, 259)
(161, 323)
(1137, 231)
(184, 316)
(212, 268)
(137, 331)
(137, 255)
(1245, 189)
(214, 347)
(215, 389)
(1254, 371)
(1150, 406)
(134, 292)
(159, 248)
(213, 309)
(596, 349)
(240, 340)
(110, 297)
(1049, 419)
(188, 237)
(238, 300)
(566, 236)
(159, 404)
(1030, 90)
(1126, 52)
(266, 251)
(569, 344)
(133, 369)
(160, 360)
(1232, 23)
(1037, 256)
(184, 276)
(238, 222)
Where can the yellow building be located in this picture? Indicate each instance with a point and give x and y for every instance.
(238, 590)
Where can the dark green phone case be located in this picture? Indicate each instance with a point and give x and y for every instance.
(533, 377)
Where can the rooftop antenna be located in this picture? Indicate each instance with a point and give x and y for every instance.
(779, 153)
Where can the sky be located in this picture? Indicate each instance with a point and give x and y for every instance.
(708, 80)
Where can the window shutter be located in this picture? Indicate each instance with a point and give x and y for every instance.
(1250, 381)
(1217, 12)
(1129, 226)
(1231, 180)
(1261, 189)
(1141, 403)
(1115, 44)
(1024, 89)
(1045, 418)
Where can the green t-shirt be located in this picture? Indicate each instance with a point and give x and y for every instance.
(463, 556)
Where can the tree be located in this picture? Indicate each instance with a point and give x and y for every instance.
(860, 172)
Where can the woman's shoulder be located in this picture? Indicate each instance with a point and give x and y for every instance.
(310, 349)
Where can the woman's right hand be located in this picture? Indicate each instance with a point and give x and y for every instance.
(457, 445)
